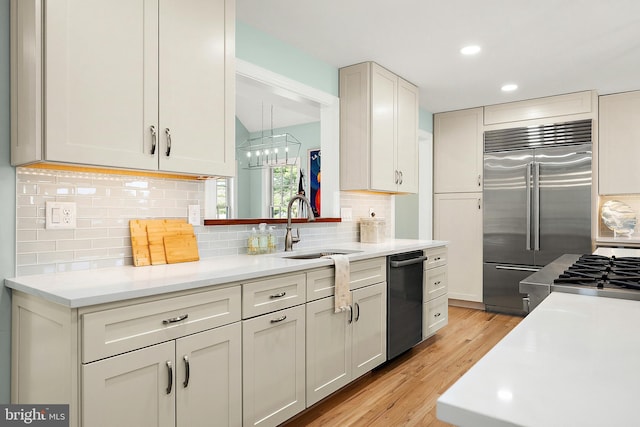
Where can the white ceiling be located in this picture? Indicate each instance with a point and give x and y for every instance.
(547, 47)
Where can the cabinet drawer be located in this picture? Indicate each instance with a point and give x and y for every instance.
(435, 315)
(114, 331)
(435, 257)
(321, 282)
(435, 283)
(269, 295)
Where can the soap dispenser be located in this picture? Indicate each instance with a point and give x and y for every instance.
(252, 243)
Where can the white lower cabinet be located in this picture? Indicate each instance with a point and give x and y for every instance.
(184, 382)
(435, 312)
(273, 359)
(343, 346)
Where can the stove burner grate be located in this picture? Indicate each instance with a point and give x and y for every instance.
(603, 272)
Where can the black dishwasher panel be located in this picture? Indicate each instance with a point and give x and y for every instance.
(404, 301)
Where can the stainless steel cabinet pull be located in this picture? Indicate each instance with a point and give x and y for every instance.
(396, 172)
(479, 205)
(168, 133)
(278, 295)
(350, 314)
(479, 180)
(417, 260)
(401, 178)
(357, 311)
(437, 259)
(187, 373)
(437, 315)
(279, 319)
(437, 283)
(170, 370)
(175, 319)
(154, 139)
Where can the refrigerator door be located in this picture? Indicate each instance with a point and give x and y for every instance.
(501, 288)
(507, 207)
(562, 202)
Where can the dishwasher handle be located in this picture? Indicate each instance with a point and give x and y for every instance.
(396, 264)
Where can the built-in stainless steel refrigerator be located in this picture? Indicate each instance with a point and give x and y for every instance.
(537, 205)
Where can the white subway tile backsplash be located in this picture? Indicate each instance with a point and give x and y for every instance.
(106, 202)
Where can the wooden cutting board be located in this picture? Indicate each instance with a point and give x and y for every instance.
(148, 241)
(181, 248)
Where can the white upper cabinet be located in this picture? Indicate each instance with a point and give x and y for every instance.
(129, 84)
(619, 143)
(457, 147)
(378, 130)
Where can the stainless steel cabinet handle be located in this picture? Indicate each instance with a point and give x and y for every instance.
(357, 311)
(396, 172)
(279, 319)
(175, 319)
(436, 259)
(509, 267)
(187, 372)
(437, 315)
(479, 205)
(278, 295)
(401, 178)
(479, 180)
(350, 314)
(168, 133)
(437, 283)
(170, 371)
(154, 139)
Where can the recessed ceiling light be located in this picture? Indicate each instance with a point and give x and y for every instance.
(470, 50)
(510, 87)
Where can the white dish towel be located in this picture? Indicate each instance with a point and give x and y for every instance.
(342, 292)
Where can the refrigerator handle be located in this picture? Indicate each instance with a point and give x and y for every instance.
(528, 187)
(536, 208)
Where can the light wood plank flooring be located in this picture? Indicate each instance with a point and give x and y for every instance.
(404, 391)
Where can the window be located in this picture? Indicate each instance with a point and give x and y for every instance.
(284, 185)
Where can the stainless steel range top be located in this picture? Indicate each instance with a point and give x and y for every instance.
(613, 277)
(605, 276)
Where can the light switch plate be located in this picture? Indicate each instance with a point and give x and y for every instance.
(60, 215)
(194, 214)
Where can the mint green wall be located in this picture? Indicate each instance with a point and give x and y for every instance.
(425, 120)
(7, 208)
(268, 52)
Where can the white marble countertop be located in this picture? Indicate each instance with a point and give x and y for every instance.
(90, 287)
(571, 362)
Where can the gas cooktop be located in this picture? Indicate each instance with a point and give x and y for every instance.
(617, 277)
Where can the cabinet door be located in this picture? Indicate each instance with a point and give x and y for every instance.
(101, 83)
(458, 219)
(435, 316)
(457, 151)
(619, 143)
(209, 377)
(369, 328)
(384, 90)
(197, 96)
(328, 349)
(131, 389)
(273, 367)
(407, 145)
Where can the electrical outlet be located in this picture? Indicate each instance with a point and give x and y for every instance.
(346, 214)
(194, 214)
(60, 215)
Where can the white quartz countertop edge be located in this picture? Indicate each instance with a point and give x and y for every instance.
(571, 362)
(90, 287)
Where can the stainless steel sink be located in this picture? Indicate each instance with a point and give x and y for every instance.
(320, 254)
